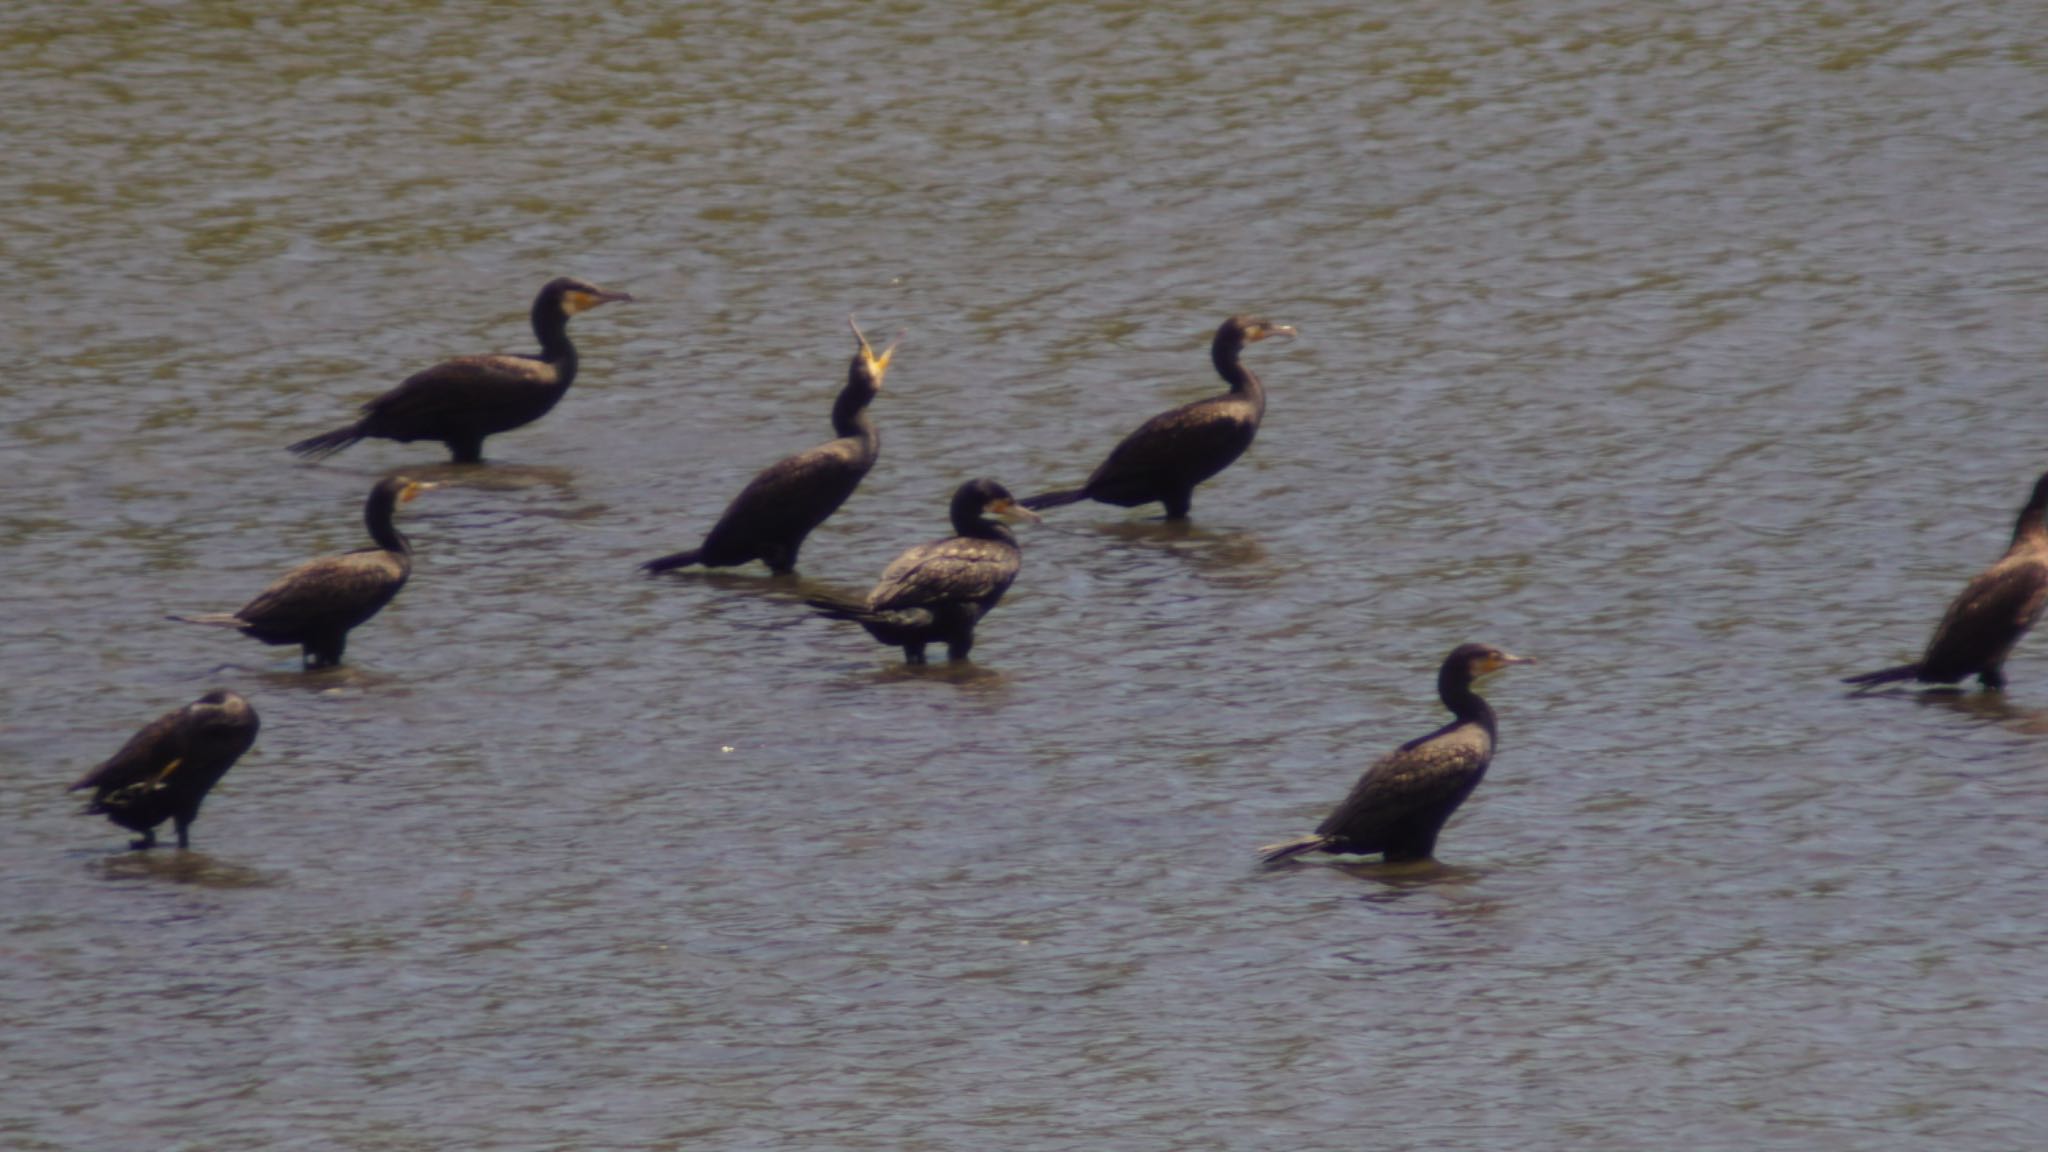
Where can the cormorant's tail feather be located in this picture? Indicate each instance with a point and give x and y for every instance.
(328, 443)
(1274, 853)
(216, 619)
(678, 560)
(1055, 499)
(1887, 676)
(833, 609)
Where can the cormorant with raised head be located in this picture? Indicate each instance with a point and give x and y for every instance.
(461, 401)
(780, 506)
(315, 604)
(936, 592)
(1984, 623)
(1400, 804)
(1174, 451)
(164, 771)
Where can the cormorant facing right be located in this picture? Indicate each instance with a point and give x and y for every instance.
(1174, 451)
(937, 591)
(315, 604)
(780, 506)
(1992, 613)
(461, 401)
(1400, 804)
(164, 771)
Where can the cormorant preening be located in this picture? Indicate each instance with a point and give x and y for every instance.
(1991, 615)
(164, 771)
(936, 591)
(1400, 804)
(770, 517)
(1174, 451)
(315, 604)
(461, 401)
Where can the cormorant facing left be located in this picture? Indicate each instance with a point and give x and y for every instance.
(1984, 623)
(770, 517)
(936, 592)
(1174, 451)
(461, 401)
(164, 771)
(1400, 804)
(316, 604)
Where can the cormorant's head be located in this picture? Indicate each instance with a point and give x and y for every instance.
(978, 498)
(1242, 330)
(869, 367)
(402, 489)
(221, 708)
(573, 295)
(1477, 660)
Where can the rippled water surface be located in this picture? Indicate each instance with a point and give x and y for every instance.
(1695, 350)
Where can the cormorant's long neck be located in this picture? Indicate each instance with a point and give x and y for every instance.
(1224, 353)
(980, 527)
(551, 327)
(850, 416)
(1454, 686)
(377, 515)
(2030, 531)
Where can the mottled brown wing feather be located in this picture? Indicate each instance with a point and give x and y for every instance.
(1202, 431)
(1989, 616)
(143, 757)
(957, 569)
(461, 386)
(1411, 784)
(328, 588)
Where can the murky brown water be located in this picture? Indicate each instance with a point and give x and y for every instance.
(1696, 351)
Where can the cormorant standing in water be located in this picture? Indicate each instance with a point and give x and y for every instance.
(936, 592)
(315, 604)
(1174, 451)
(461, 401)
(770, 517)
(1993, 612)
(1400, 804)
(164, 771)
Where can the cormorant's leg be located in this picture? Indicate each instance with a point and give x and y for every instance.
(184, 824)
(913, 653)
(1177, 503)
(958, 647)
(146, 840)
(466, 449)
(1992, 677)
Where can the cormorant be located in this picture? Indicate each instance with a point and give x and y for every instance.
(936, 591)
(1400, 804)
(164, 771)
(315, 604)
(770, 517)
(1993, 612)
(461, 401)
(1174, 451)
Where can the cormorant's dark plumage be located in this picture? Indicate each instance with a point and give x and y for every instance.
(772, 515)
(164, 771)
(315, 604)
(1984, 623)
(936, 592)
(1400, 804)
(461, 401)
(1174, 451)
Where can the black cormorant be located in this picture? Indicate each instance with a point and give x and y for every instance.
(1174, 451)
(1400, 804)
(164, 771)
(1993, 612)
(315, 604)
(770, 517)
(461, 401)
(936, 592)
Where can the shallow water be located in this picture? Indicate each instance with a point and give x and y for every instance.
(1692, 350)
